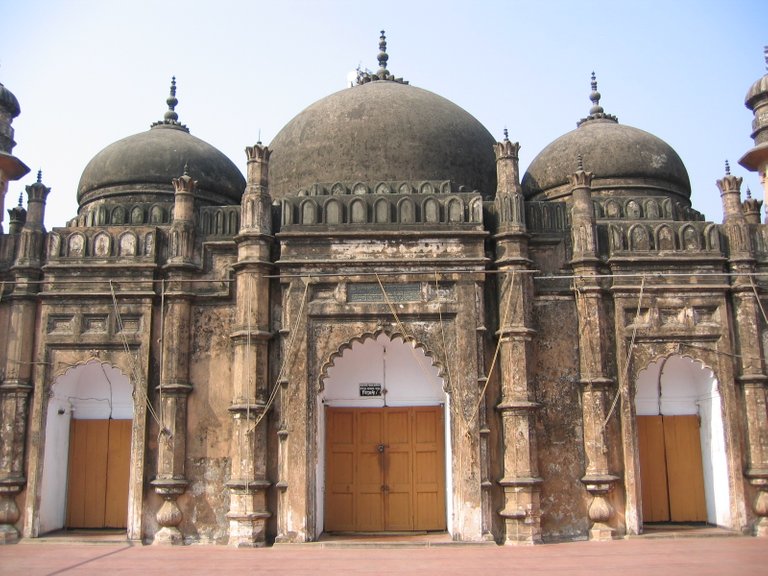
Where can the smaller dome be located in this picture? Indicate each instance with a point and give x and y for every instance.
(623, 159)
(759, 90)
(144, 165)
(8, 102)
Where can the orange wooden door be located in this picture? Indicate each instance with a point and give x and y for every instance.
(384, 469)
(397, 462)
(682, 444)
(99, 459)
(653, 469)
(671, 471)
(429, 468)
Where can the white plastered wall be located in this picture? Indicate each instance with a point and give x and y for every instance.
(677, 386)
(92, 391)
(407, 378)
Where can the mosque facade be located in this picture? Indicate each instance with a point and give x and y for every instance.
(384, 328)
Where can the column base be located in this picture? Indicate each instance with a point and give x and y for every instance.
(248, 531)
(8, 534)
(168, 536)
(601, 532)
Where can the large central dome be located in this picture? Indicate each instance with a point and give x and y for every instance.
(382, 131)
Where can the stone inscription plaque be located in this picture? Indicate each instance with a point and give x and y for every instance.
(371, 292)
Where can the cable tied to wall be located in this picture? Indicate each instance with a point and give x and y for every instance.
(625, 372)
(288, 354)
(136, 374)
(499, 340)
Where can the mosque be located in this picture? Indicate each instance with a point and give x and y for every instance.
(384, 328)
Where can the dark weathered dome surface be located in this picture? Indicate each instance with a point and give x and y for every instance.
(382, 131)
(9, 102)
(622, 159)
(146, 163)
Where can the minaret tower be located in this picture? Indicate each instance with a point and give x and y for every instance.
(11, 168)
(756, 159)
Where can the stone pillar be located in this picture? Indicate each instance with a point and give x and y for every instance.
(248, 485)
(748, 326)
(17, 385)
(596, 388)
(520, 477)
(175, 385)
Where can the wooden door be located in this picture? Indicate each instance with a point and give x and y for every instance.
(384, 469)
(685, 475)
(671, 471)
(99, 460)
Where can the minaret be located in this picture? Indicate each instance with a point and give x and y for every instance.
(520, 481)
(17, 384)
(248, 484)
(756, 160)
(11, 168)
(175, 383)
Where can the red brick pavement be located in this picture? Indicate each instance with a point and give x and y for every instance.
(668, 557)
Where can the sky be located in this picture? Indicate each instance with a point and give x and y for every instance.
(87, 73)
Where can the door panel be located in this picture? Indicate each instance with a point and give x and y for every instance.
(682, 443)
(671, 471)
(653, 469)
(118, 471)
(384, 469)
(99, 462)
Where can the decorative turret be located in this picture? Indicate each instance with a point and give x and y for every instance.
(184, 197)
(582, 213)
(751, 207)
(256, 211)
(756, 160)
(37, 194)
(17, 217)
(730, 194)
(510, 204)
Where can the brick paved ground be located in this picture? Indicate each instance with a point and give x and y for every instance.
(668, 557)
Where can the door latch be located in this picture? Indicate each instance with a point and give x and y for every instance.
(380, 447)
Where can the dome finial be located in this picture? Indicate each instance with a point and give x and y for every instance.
(383, 57)
(171, 118)
(21, 199)
(596, 111)
(39, 176)
(506, 133)
(765, 53)
(580, 160)
(727, 168)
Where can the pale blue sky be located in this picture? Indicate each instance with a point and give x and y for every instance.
(88, 73)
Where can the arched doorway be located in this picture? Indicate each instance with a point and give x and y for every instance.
(87, 450)
(681, 439)
(382, 443)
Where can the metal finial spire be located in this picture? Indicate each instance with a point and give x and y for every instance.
(596, 111)
(727, 168)
(186, 168)
(170, 116)
(21, 199)
(765, 53)
(580, 161)
(39, 176)
(595, 97)
(383, 57)
(749, 193)
(506, 133)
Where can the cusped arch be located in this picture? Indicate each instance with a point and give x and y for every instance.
(393, 335)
